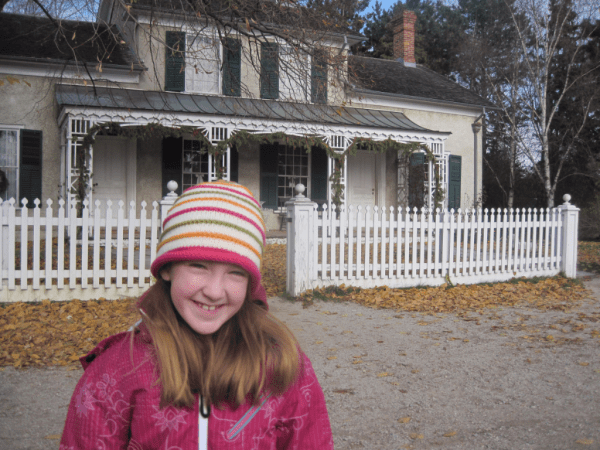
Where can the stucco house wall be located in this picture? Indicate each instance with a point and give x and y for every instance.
(30, 104)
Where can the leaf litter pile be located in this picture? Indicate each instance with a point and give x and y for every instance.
(556, 293)
(58, 333)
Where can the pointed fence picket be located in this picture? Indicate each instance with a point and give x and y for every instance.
(368, 246)
(47, 253)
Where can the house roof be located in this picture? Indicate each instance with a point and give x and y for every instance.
(384, 76)
(39, 39)
(173, 102)
(270, 13)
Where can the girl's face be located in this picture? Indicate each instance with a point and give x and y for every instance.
(206, 293)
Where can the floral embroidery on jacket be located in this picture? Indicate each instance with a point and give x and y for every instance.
(168, 418)
(84, 400)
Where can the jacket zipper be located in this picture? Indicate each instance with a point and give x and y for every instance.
(245, 420)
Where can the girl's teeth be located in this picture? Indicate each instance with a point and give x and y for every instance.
(209, 308)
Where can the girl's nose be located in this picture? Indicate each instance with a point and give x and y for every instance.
(214, 287)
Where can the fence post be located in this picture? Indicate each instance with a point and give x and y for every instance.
(570, 221)
(300, 242)
(4, 236)
(167, 201)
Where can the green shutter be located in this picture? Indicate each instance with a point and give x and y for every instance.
(454, 169)
(171, 163)
(175, 61)
(30, 168)
(318, 176)
(269, 70)
(269, 160)
(416, 180)
(232, 67)
(234, 164)
(319, 80)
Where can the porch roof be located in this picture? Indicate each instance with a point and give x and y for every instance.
(244, 108)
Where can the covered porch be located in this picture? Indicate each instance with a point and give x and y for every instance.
(138, 169)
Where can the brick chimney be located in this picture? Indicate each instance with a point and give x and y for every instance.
(404, 37)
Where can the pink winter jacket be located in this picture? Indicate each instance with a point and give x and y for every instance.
(116, 406)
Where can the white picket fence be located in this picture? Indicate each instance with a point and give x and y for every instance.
(53, 255)
(368, 247)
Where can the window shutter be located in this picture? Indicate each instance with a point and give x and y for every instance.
(234, 164)
(269, 160)
(269, 73)
(232, 67)
(175, 61)
(318, 179)
(172, 149)
(30, 176)
(454, 163)
(319, 80)
(416, 180)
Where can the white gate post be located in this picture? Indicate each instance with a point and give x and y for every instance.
(4, 236)
(300, 242)
(167, 201)
(570, 221)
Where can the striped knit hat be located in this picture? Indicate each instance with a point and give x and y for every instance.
(216, 221)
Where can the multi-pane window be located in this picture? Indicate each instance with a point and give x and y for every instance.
(293, 169)
(9, 161)
(194, 163)
(202, 65)
(293, 74)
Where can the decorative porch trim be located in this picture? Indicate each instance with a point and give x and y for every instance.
(83, 124)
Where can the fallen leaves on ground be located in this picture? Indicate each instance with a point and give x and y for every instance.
(58, 333)
(273, 269)
(588, 256)
(556, 293)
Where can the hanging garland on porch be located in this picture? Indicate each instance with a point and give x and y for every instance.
(242, 139)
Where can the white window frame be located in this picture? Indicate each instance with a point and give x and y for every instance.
(203, 158)
(193, 76)
(293, 85)
(7, 195)
(288, 182)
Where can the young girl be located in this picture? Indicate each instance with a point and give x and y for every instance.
(207, 367)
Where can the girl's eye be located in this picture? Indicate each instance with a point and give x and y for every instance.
(238, 273)
(198, 265)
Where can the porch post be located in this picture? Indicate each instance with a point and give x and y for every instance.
(301, 214)
(570, 221)
(167, 201)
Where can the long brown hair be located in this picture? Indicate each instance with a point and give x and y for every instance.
(251, 354)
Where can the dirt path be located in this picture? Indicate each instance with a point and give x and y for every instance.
(507, 379)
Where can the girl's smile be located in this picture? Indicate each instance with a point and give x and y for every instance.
(206, 294)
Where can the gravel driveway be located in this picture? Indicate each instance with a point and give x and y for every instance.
(505, 379)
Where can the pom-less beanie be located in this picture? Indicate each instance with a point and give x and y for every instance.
(215, 221)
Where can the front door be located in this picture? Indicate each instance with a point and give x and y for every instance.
(110, 172)
(361, 178)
